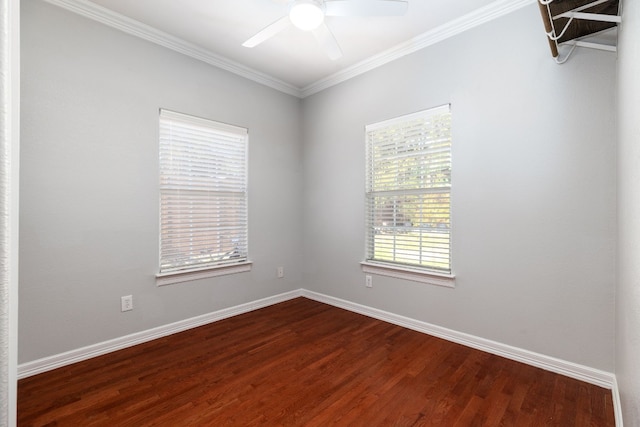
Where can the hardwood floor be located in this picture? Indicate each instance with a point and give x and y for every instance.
(304, 363)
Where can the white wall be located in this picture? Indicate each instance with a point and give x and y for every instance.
(89, 198)
(628, 290)
(9, 197)
(533, 189)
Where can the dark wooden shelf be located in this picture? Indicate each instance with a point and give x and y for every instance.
(570, 22)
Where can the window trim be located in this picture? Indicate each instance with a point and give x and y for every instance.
(205, 271)
(417, 273)
(430, 277)
(170, 278)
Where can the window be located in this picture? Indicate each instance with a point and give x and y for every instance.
(203, 197)
(408, 184)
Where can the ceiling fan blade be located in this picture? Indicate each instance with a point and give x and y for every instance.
(365, 7)
(268, 32)
(327, 41)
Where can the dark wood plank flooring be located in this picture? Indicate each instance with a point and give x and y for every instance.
(304, 363)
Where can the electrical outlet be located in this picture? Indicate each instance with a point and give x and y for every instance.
(126, 303)
(280, 272)
(368, 281)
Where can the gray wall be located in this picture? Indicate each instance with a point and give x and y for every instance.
(533, 201)
(89, 197)
(628, 291)
(534, 205)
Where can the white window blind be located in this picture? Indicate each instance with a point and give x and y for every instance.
(408, 184)
(203, 193)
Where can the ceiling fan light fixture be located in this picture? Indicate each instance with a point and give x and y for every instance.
(306, 15)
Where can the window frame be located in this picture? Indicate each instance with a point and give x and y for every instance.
(182, 148)
(407, 271)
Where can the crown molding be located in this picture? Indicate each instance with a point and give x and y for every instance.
(478, 17)
(146, 32)
(130, 26)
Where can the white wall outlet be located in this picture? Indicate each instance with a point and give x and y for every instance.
(280, 272)
(368, 281)
(126, 303)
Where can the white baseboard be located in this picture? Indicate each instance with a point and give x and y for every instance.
(59, 360)
(617, 406)
(569, 369)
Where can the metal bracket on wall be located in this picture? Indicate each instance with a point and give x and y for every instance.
(580, 23)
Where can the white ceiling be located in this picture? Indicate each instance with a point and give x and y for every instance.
(293, 58)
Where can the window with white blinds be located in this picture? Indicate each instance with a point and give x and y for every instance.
(408, 185)
(203, 193)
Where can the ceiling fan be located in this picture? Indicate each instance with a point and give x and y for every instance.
(308, 15)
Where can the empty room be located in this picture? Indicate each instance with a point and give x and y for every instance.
(417, 212)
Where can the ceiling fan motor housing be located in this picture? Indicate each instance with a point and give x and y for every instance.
(306, 15)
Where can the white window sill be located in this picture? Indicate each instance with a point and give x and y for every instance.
(163, 279)
(416, 275)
